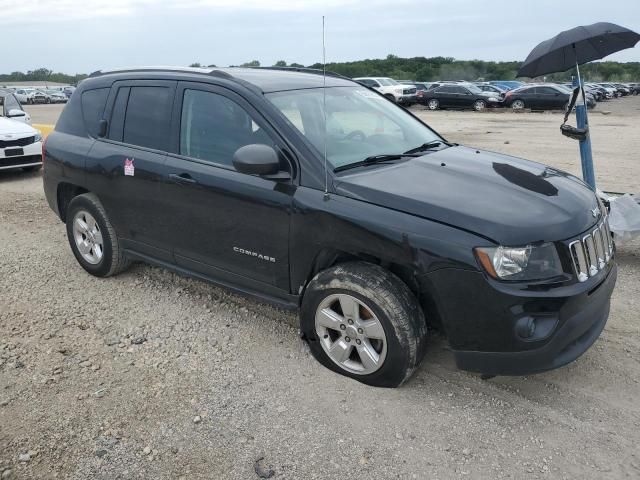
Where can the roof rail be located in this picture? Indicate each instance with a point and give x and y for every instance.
(315, 71)
(203, 71)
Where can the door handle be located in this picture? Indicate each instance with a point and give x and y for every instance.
(181, 178)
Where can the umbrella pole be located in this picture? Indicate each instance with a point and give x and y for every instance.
(582, 121)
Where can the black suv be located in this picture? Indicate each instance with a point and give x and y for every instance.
(337, 202)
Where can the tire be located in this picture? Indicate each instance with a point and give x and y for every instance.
(479, 105)
(390, 97)
(89, 210)
(517, 104)
(32, 168)
(48, 100)
(388, 325)
(433, 104)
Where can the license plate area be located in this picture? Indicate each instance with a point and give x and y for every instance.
(13, 152)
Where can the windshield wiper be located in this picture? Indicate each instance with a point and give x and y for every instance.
(427, 146)
(373, 159)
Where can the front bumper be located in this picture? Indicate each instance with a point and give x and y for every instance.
(481, 322)
(31, 156)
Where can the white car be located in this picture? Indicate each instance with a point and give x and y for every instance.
(20, 146)
(10, 108)
(56, 96)
(399, 93)
(30, 95)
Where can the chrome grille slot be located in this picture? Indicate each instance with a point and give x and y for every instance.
(592, 252)
(579, 260)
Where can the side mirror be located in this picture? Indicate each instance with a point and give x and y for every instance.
(15, 112)
(256, 159)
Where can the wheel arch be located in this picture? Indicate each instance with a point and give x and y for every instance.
(330, 257)
(65, 193)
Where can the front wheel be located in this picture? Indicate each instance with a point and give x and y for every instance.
(92, 238)
(433, 104)
(479, 105)
(390, 97)
(517, 105)
(363, 322)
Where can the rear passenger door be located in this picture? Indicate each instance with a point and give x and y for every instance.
(125, 166)
(229, 225)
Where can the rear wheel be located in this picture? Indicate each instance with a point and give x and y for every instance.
(517, 104)
(479, 105)
(363, 322)
(433, 104)
(92, 238)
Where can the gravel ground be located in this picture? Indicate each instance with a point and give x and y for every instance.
(152, 375)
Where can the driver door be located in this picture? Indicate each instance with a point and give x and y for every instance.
(225, 224)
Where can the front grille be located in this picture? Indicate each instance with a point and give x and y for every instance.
(20, 142)
(408, 91)
(592, 252)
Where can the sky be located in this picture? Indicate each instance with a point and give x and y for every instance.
(81, 36)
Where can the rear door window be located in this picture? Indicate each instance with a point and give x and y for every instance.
(148, 117)
(93, 103)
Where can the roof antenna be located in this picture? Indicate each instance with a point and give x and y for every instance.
(324, 111)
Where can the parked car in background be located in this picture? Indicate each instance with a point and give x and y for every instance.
(10, 108)
(55, 96)
(537, 97)
(487, 87)
(460, 95)
(402, 94)
(507, 84)
(20, 145)
(30, 95)
(611, 90)
(68, 91)
(421, 88)
(589, 97)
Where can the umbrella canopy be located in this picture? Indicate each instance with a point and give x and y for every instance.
(577, 46)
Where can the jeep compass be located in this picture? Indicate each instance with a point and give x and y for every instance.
(316, 193)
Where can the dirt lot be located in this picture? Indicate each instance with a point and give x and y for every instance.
(151, 375)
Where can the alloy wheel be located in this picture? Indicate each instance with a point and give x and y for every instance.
(88, 238)
(517, 105)
(350, 334)
(479, 105)
(433, 104)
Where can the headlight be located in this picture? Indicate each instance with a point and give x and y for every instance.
(521, 263)
(38, 137)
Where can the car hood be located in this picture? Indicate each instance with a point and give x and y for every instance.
(505, 199)
(15, 127)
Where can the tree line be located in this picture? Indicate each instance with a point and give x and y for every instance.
(42, 75)
(420, 69)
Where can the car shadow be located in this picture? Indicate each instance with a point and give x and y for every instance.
(7, 176)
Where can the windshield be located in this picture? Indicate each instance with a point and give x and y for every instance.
(387, 81)
(360, 123)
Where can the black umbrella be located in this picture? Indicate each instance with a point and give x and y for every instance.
(577, 46)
